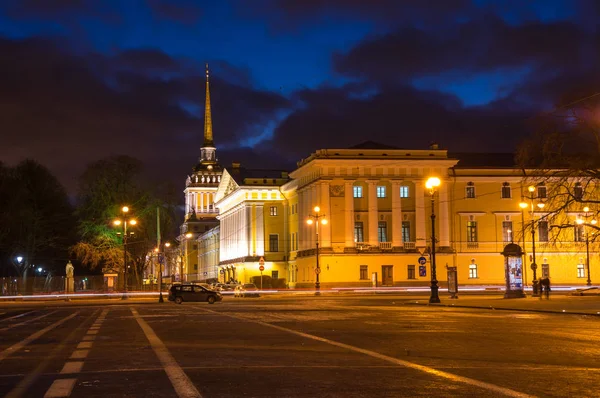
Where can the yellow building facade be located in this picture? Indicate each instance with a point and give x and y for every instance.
(379, 221)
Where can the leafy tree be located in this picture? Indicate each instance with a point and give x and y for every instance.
(564, 157)
(106, 186)
(37, 220)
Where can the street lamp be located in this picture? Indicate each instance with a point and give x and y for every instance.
(317, 218)
(124, 221)
(183, 254)
(530, 205)
(160, 261)
(432, 183)
(583, 222)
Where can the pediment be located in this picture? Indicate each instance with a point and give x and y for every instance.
(226, 186)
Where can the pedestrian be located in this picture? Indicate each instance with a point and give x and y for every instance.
(546, 286)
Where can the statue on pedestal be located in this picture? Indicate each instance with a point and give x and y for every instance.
(69, 282)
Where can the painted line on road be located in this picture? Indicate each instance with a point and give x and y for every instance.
(72, 367)
(79, 354)
(27, 321)
(180, 381)
(16, 347)
(60, 388)
(84, 344)
(89, 338)
(15, 316)
(426, 369)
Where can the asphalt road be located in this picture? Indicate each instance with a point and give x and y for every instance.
(295, 347)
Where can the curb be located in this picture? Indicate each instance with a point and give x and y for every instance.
(490, 308)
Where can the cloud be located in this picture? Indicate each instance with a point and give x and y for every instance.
(67, 110)
(182, 11)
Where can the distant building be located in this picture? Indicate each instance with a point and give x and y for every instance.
(200, 189)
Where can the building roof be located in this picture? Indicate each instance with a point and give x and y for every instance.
(474, 160)
(372, 145)
(244, 176)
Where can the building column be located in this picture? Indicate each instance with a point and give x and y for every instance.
(302, 220)
(349, 213)
(248, 230)
(202, 202)
(444, 224)
(396, 215)
(324, 229)
(373, 214)
(421, 230)
(260, 231)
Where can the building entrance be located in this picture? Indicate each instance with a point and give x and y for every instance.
(387, 275)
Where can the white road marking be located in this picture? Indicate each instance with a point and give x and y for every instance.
(72, 367)
(79, 354)
(27, 321)
(84, 344)
(92, 332)
(60, 388)
(14, 348)
(89, 338)
(426, 369)
(182, 384)
(16, 316)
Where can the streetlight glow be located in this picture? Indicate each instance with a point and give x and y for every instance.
(117, 222)
(317, 209)
(125, 209)
(531, 188)
(168, 244)
(132, 222)
(324, 222)
(432, 183)
(309, 221)
(188, 235)
(317, 219)
(523, 205)
(19, 259)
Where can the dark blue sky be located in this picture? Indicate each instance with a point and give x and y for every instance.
(86, 79)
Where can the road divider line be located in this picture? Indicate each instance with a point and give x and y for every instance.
(15, 316)
(27, 321)
(79, 354)
(16, 347)
(72, 367)
(426, 369)
(60, 388)
(181, 383)
(84, 344)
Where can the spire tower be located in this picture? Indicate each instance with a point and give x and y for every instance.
(208, 133)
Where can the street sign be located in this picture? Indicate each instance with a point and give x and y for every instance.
(261, 261)
(261, 268)
(317, 271)
(422, 260)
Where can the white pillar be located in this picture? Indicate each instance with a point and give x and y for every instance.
(202, 202)
(260, 231)
(421, 230)
(396, 215)
(372, 207)
(302, 220)
(349, 213)
(444, 219)
(324, 229)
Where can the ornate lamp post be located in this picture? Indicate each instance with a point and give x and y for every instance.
(317, 218)
(583, 222)
(432, 183)
(531, 206)
(124, 221)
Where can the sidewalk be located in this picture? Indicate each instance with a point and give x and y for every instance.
(563, 304)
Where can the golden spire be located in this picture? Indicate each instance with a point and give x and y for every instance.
(208, 134)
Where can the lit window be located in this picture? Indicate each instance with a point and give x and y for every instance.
(473, 271)
(470, 190)
(364, 272)
(381, 191)
(358, 231)
(358, 191)
(579, 233)
(580, 271)
(404, 191)
(273, 210)
(506, 194)
(471, 231)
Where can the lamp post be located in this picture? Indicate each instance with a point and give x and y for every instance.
(160, 262)
(183, 253)
(583, 222)
(317, 218)
(530, 205)
(432, 183)
(124, 221)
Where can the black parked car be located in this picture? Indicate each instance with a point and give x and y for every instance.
(180, 293)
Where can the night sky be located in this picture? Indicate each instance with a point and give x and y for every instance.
(82, 79)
